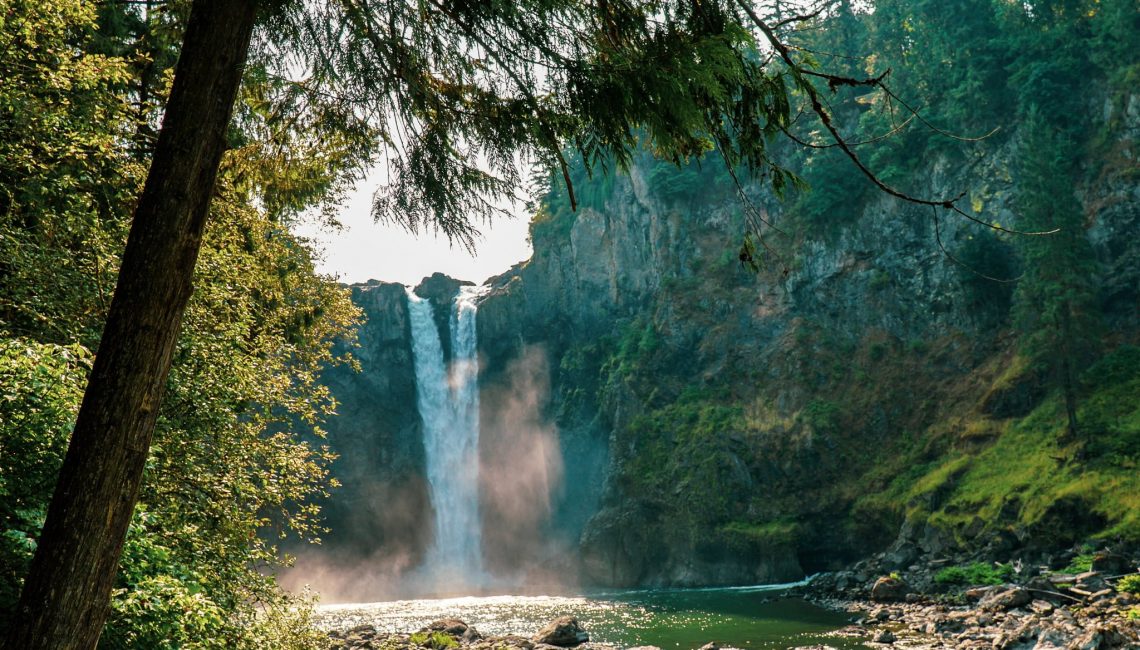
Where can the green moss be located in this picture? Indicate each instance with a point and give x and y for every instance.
(1029, 463)
(763, 535)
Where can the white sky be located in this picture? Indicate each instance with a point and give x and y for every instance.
(364, 250)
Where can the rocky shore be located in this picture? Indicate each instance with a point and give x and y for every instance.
(563, 632)
(940, 603)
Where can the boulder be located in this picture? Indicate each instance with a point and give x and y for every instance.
(563, 631)
(1004, 599)
(888, 589)
(454, 628)
(884, 636)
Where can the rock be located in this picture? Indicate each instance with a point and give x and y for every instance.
(362, 631)
(884, 636)
(1042, 607)
(514, 641)
(1062, 578)
(1004, 599)
(1110, 563)
(644, 647)
(563, 631)
(974, 594)
(888, 589)
(1103, 594)
(452, 626)
(900, 556)
(710, 646)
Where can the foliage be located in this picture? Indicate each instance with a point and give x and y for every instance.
(1080, 563)
(434, 640)
(1129, 584)
(1057, 307)
(41, 387)
(1027, 464)
(62, 173)
(683, 78)
(821, 416)
(690, 452)
(228, 473)
(986, 257)
(977, 573)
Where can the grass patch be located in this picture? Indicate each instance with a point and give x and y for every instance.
(1026, 472)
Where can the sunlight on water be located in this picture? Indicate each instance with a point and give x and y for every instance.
(753, 617)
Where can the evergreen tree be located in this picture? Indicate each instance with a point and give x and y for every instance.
(1055, 302)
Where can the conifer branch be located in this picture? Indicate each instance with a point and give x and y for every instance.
(800, 74)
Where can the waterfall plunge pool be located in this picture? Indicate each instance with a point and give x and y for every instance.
(741, 617)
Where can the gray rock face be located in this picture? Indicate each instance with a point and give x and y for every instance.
(880, 276)
(440, 290)
(374, 518)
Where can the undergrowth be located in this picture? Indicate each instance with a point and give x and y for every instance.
(977, 573)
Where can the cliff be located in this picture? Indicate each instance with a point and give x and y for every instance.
(761, 425)
(654, 412)
(375, 515)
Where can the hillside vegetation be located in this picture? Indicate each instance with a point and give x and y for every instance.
(861, 379)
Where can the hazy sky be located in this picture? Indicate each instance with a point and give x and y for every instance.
(364, 250)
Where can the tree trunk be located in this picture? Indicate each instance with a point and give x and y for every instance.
(66, 596)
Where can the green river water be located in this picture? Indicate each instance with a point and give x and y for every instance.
(743, 617)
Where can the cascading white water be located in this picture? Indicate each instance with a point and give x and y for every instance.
(449, 407)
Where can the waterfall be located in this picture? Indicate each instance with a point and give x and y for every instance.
(448, 402)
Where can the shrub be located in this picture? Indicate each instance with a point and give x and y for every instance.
(978, 573)
(1129, 584)
(436, 640)
(1080, 564)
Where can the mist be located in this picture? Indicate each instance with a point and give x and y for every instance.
(521, 472)
(385, 551)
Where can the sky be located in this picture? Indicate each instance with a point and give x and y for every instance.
(364, 250)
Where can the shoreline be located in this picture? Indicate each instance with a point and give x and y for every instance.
(936, 626)
(1053, 611)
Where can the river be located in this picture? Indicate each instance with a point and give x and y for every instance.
(743, 617)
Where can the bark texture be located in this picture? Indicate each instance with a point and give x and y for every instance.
(66, 596)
